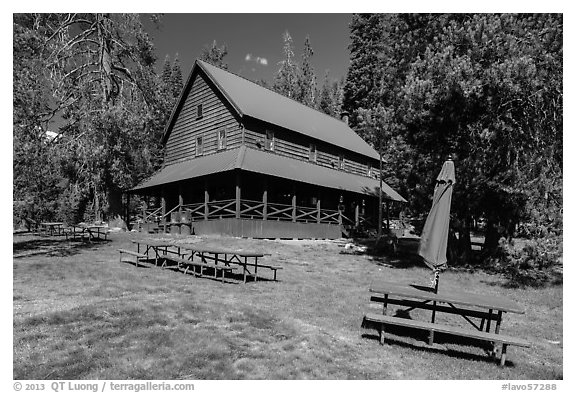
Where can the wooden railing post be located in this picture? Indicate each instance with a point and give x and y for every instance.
(340, 217)
(318, 216)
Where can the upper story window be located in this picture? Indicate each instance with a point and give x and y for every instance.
(199, 111)
(341, 161)
(199, 146)
(270, 141)
(312, 153)
(222, 139)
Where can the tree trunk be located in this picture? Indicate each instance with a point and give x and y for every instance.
(115, 207)
(492, 236)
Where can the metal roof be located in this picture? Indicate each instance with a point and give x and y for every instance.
(251, 99)
(271, 164)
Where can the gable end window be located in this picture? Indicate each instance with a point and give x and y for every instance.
(198, 111)
(222, 139)
(313, 153)
(199, 146)
(269, 143)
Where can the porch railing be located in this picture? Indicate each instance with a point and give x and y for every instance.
(248, 209)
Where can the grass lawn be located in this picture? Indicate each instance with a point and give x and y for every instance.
(81, 314)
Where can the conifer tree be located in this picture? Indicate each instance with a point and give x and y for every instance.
(285, 81)
(176, 82)
(215, 55)
(306, 92)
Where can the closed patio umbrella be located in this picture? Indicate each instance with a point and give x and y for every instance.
(434, 239)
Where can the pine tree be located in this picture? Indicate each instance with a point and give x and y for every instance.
(306, 92)
(166, 71)
(363, 82)
(285, 81)
(325, 103)
(176, 82)
(215, 55)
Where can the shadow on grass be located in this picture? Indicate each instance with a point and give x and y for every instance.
(52, 247)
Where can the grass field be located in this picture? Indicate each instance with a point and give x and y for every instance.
(81, 314)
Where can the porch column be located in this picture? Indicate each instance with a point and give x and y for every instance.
(128, 211)
(180, 197)
(144, 207)
(206, 200)
(294, 206)
(388, 214)
(238, 195)
(357, 214)
(265, 201)
(318, 211)
(163, 204)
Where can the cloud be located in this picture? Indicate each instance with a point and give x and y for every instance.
(259, 60)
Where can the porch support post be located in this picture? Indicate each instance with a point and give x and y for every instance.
(163, 204)
(180, 197)
(388, 214)
(318, 211)
(294, 206)
(128, 211)
(265, 201)
(144, 207)
(238, 194)
(357, 215)
(206, 200)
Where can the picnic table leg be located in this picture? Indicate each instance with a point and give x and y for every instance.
(431, 338)
(385, 305)
(245, 267)
(498, 322)
(256, 269)
(503, 356)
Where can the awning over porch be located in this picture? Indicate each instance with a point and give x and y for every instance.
(271, 164)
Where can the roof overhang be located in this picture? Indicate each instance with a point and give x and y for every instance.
(271, 164)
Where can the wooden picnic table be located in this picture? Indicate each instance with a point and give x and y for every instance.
(52, 228)
(246, 259)
(180, 252)
(469, 306)
(88, 231)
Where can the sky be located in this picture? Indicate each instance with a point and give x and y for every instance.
(254, 41)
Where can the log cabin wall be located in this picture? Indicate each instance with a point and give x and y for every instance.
(216, 114)
(294, 145)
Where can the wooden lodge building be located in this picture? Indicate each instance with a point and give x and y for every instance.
(242, 160)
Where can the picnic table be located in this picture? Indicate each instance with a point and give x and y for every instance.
(52, 228)
(478, 310)
(88, 231)
(186, 255)
(247, 260)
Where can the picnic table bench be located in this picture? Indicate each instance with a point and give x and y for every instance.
(182, 263)
(484, 307)
(137, 256)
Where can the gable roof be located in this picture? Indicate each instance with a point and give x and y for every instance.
(250, 99)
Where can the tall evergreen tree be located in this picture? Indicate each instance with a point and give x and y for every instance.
(363, 81)
(286, 79)
(306, 91)
(215, 55)
(325, 99)
(98, 69)
(176, 81)
(166, 71)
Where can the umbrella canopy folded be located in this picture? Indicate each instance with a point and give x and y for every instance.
(434, 239)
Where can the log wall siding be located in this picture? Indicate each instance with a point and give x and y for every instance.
(181, 144)
(298, 147)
